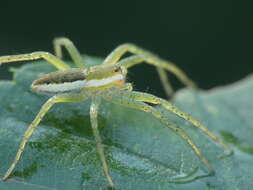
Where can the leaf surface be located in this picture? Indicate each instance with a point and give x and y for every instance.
(141, 152)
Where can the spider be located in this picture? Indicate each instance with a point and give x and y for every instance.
(108, 82)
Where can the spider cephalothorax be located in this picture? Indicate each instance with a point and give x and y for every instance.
(105, 81)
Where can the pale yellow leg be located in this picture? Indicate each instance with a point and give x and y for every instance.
(94, 124)
(35, 123)
(145, 97)
(59, 64)
(150, 58)
(71, 48)
(121, 99)
(133, 60)
(165, 81)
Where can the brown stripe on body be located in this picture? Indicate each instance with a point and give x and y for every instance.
(61, 76)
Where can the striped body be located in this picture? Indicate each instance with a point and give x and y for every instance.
(75, 80)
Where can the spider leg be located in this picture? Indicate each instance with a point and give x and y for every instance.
(131, 103)
(150, 58)
(59, 64)
(165, 81)
(94, 124)
(135, 59)
(71, 48)
(145, 97)
(36, 121)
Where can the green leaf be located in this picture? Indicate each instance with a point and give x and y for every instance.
(141, 152)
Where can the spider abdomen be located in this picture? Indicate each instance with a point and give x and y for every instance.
(63, 81)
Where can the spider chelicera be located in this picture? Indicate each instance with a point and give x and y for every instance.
(105, 81)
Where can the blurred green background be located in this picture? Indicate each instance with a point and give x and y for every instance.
(210, 40)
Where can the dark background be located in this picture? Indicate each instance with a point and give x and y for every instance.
(210, 40)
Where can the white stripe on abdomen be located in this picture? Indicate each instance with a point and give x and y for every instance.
(75, 86)
(60, 88)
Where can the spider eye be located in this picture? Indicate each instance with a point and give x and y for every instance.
(117, 69)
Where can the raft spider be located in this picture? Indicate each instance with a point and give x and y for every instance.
(105, 81)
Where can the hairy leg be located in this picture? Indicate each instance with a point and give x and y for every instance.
(125, 101)
(94, 124)
(71, 48)
(36, 121)
(59, 64)
(149, 98)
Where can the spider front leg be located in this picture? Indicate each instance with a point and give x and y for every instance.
(36, 121)
(133, 60)
(123, 100)
(59, 64)
(71, 48)
(149, 98)
(94, 124)
(150, 58)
